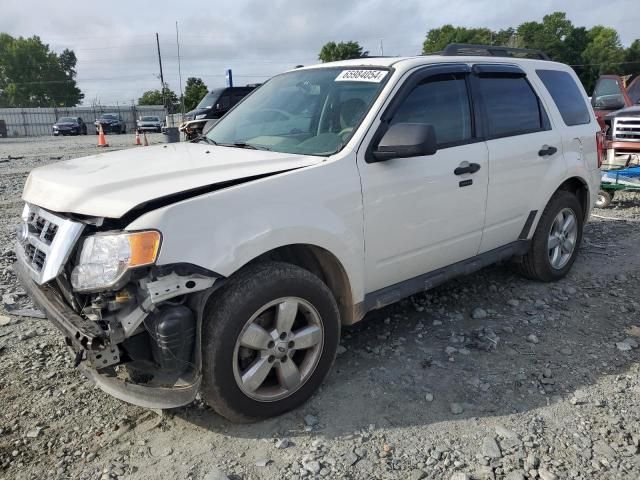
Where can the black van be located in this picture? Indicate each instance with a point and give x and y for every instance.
(218, 102)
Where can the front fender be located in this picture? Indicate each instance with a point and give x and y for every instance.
(224, 230)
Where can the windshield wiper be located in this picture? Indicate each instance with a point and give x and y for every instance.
(205, 139)
(249, 146)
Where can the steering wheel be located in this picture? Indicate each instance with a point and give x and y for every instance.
(343, 133)
(276, 110)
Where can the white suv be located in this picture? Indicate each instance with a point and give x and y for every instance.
(228, 265)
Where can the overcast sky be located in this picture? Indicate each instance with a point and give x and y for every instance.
(115, 41)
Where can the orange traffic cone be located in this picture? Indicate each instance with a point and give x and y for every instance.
(146, 142)
(102, 141)
(138, 142)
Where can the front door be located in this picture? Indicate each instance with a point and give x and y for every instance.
(419, 215)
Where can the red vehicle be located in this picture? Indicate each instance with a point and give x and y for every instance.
(617, 108)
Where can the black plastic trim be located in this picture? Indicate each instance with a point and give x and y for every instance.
(467, 49)
(498, 70)
(388, 295)
(524, 234)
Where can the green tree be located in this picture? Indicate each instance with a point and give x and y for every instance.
(194, 92)
(549, 36)
(632, 59)
(603, 55)
(155, 97)
(332, 51)
(31, 75)
(438, 38)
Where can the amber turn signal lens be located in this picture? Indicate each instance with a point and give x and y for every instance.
(144, 247)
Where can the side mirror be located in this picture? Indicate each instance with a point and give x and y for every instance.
(404, 140)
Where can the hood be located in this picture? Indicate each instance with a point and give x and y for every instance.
(107, 120)
(111, 184)
(65, 124)
(633, 111)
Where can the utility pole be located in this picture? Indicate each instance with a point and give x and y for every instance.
(180, 73)
(381, 48)
(164, 100)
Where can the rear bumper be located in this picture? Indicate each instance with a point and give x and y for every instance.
(82, 335)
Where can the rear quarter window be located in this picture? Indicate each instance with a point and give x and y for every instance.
(566, 95)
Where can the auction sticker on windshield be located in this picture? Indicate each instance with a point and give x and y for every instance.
(375, 76)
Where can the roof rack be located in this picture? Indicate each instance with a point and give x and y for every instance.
(461, 49)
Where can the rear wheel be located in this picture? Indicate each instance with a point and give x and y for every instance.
(269, 339)
(556, 241)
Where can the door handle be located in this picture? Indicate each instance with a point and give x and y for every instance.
(547, 151)
(466, 167)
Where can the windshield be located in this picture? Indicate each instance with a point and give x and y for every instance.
(210, 99)
(607, 95)
(309, 112)
(67, 120)
(150, 119)
(110, 116)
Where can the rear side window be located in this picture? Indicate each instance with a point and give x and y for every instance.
(511, 107)
(566, 95)
(441, 101)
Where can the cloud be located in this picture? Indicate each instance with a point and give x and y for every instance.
(117, 58)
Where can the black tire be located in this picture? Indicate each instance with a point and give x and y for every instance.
(224, 319)
(535, 264)
(605, 198)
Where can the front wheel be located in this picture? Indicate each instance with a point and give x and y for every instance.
(270, 336)
(556, 241)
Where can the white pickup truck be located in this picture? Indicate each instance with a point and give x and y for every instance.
(227, 265)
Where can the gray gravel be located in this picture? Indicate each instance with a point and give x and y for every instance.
(399, 404)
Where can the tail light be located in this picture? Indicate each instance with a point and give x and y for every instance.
(600, 147)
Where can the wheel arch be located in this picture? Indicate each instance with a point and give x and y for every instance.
(325, 265)
(580, 188)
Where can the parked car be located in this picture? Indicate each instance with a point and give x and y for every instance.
(149, 123)
(611, 93)
(212, 106)
(111, 123)
(617, 107)
(69, 126)
(3, 129)
(227, 266)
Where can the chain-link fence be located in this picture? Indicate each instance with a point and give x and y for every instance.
(33, 122)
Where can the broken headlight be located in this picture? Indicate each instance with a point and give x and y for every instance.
(104, 259)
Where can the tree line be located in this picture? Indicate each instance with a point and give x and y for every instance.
(591, 52)
(31, 75)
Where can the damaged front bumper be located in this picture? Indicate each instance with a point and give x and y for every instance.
(97, 350)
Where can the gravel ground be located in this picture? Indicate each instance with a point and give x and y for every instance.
(487, 377)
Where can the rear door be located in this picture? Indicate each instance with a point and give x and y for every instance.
(523, 148)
